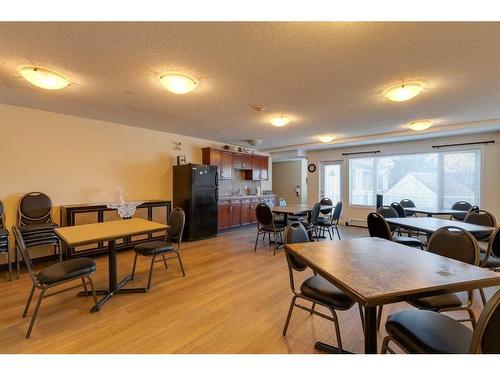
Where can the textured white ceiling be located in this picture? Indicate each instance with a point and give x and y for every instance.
(327, 76)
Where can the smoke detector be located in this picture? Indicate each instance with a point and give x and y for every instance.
(258, 107)
(254, 142)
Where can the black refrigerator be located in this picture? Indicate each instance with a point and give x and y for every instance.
(196, 191)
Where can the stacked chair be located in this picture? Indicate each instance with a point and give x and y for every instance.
(4, 239)
(34, 221)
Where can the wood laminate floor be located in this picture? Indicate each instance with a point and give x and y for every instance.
(231, 301)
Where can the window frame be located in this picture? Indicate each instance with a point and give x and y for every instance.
(479, 171)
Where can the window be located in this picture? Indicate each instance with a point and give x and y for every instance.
(436, 179)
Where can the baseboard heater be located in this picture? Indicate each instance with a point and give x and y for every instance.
(356, 223)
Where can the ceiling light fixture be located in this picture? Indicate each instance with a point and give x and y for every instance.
(420, 124)
(44, 78)
(280, 120)
(326, 138)
(403, 91)
(178, 83)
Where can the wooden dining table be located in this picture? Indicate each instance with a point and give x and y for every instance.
(108, 231)
(429, 225)
(429, 211)
(297, 209)
(375, 272)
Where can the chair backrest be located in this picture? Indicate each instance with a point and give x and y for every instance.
(337, 212)
(264, 214)
(326, 202)
(455, 243)
(315, 213)
(295, 232)
(387, 211)
(2, 215)
(378, 227)
(34, 208)
(21, 247)
(494, 243)
(282, 202)
(176, 221)
(407, 203)
(460, 206)
(486, 339)
(399, 209)
(480, 217)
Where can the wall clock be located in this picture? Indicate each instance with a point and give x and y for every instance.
(311, 168)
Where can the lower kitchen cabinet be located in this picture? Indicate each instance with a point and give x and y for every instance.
(238, 212)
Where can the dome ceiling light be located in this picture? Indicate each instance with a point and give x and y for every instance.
(420, 124)
(280, 120)
(178, 83)
(403, 91)
(326, 138)
(44, 78)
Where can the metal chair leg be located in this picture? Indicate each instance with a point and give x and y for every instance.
(337, 330)
(385, 345)
(85, 285)
(133, 268)
(9, 265)
(483, 297)
(338, 233)
(164, 261)
(17, 262)
(312, 308)
(472, 317)
(290, 310)
(28, 302)
(35, 313)
(93, 290)
(180, 263)
(330, 233)
(151, 271)
(362, 315)
(257, 240)
(379, 316)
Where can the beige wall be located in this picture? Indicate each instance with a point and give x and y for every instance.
(490, 176)
(79, 160)
(288, 175)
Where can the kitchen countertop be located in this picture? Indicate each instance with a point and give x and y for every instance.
(246, 196)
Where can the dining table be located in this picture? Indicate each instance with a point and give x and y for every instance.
(109, 231)
(429, 211)
(374, 272)
(429, 225)
(297, 209)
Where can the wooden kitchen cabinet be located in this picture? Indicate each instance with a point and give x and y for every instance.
(235, 213)
(224, 215)
(226, 166)
(246, 212)
(263, 162)
(246, 162)
(212, 156)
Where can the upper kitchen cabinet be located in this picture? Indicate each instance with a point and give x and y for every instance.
(255, 166)
(226, 167)
(223, 160)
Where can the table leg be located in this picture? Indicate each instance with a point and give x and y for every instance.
(114, 287)
(371, 330)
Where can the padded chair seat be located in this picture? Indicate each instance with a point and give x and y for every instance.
(492, 261)
(408, 241)
(316, 287)
(66, 270)
(4, 232)
(420, 331)
(42, 242)
(324, 222)
(38, 236)
(269, 228)
(437, 302)
(153, 247)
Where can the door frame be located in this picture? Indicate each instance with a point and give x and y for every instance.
(322, 164)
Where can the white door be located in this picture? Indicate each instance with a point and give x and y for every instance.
(331, 181)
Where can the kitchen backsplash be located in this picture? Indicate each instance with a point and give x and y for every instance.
(231, 187)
